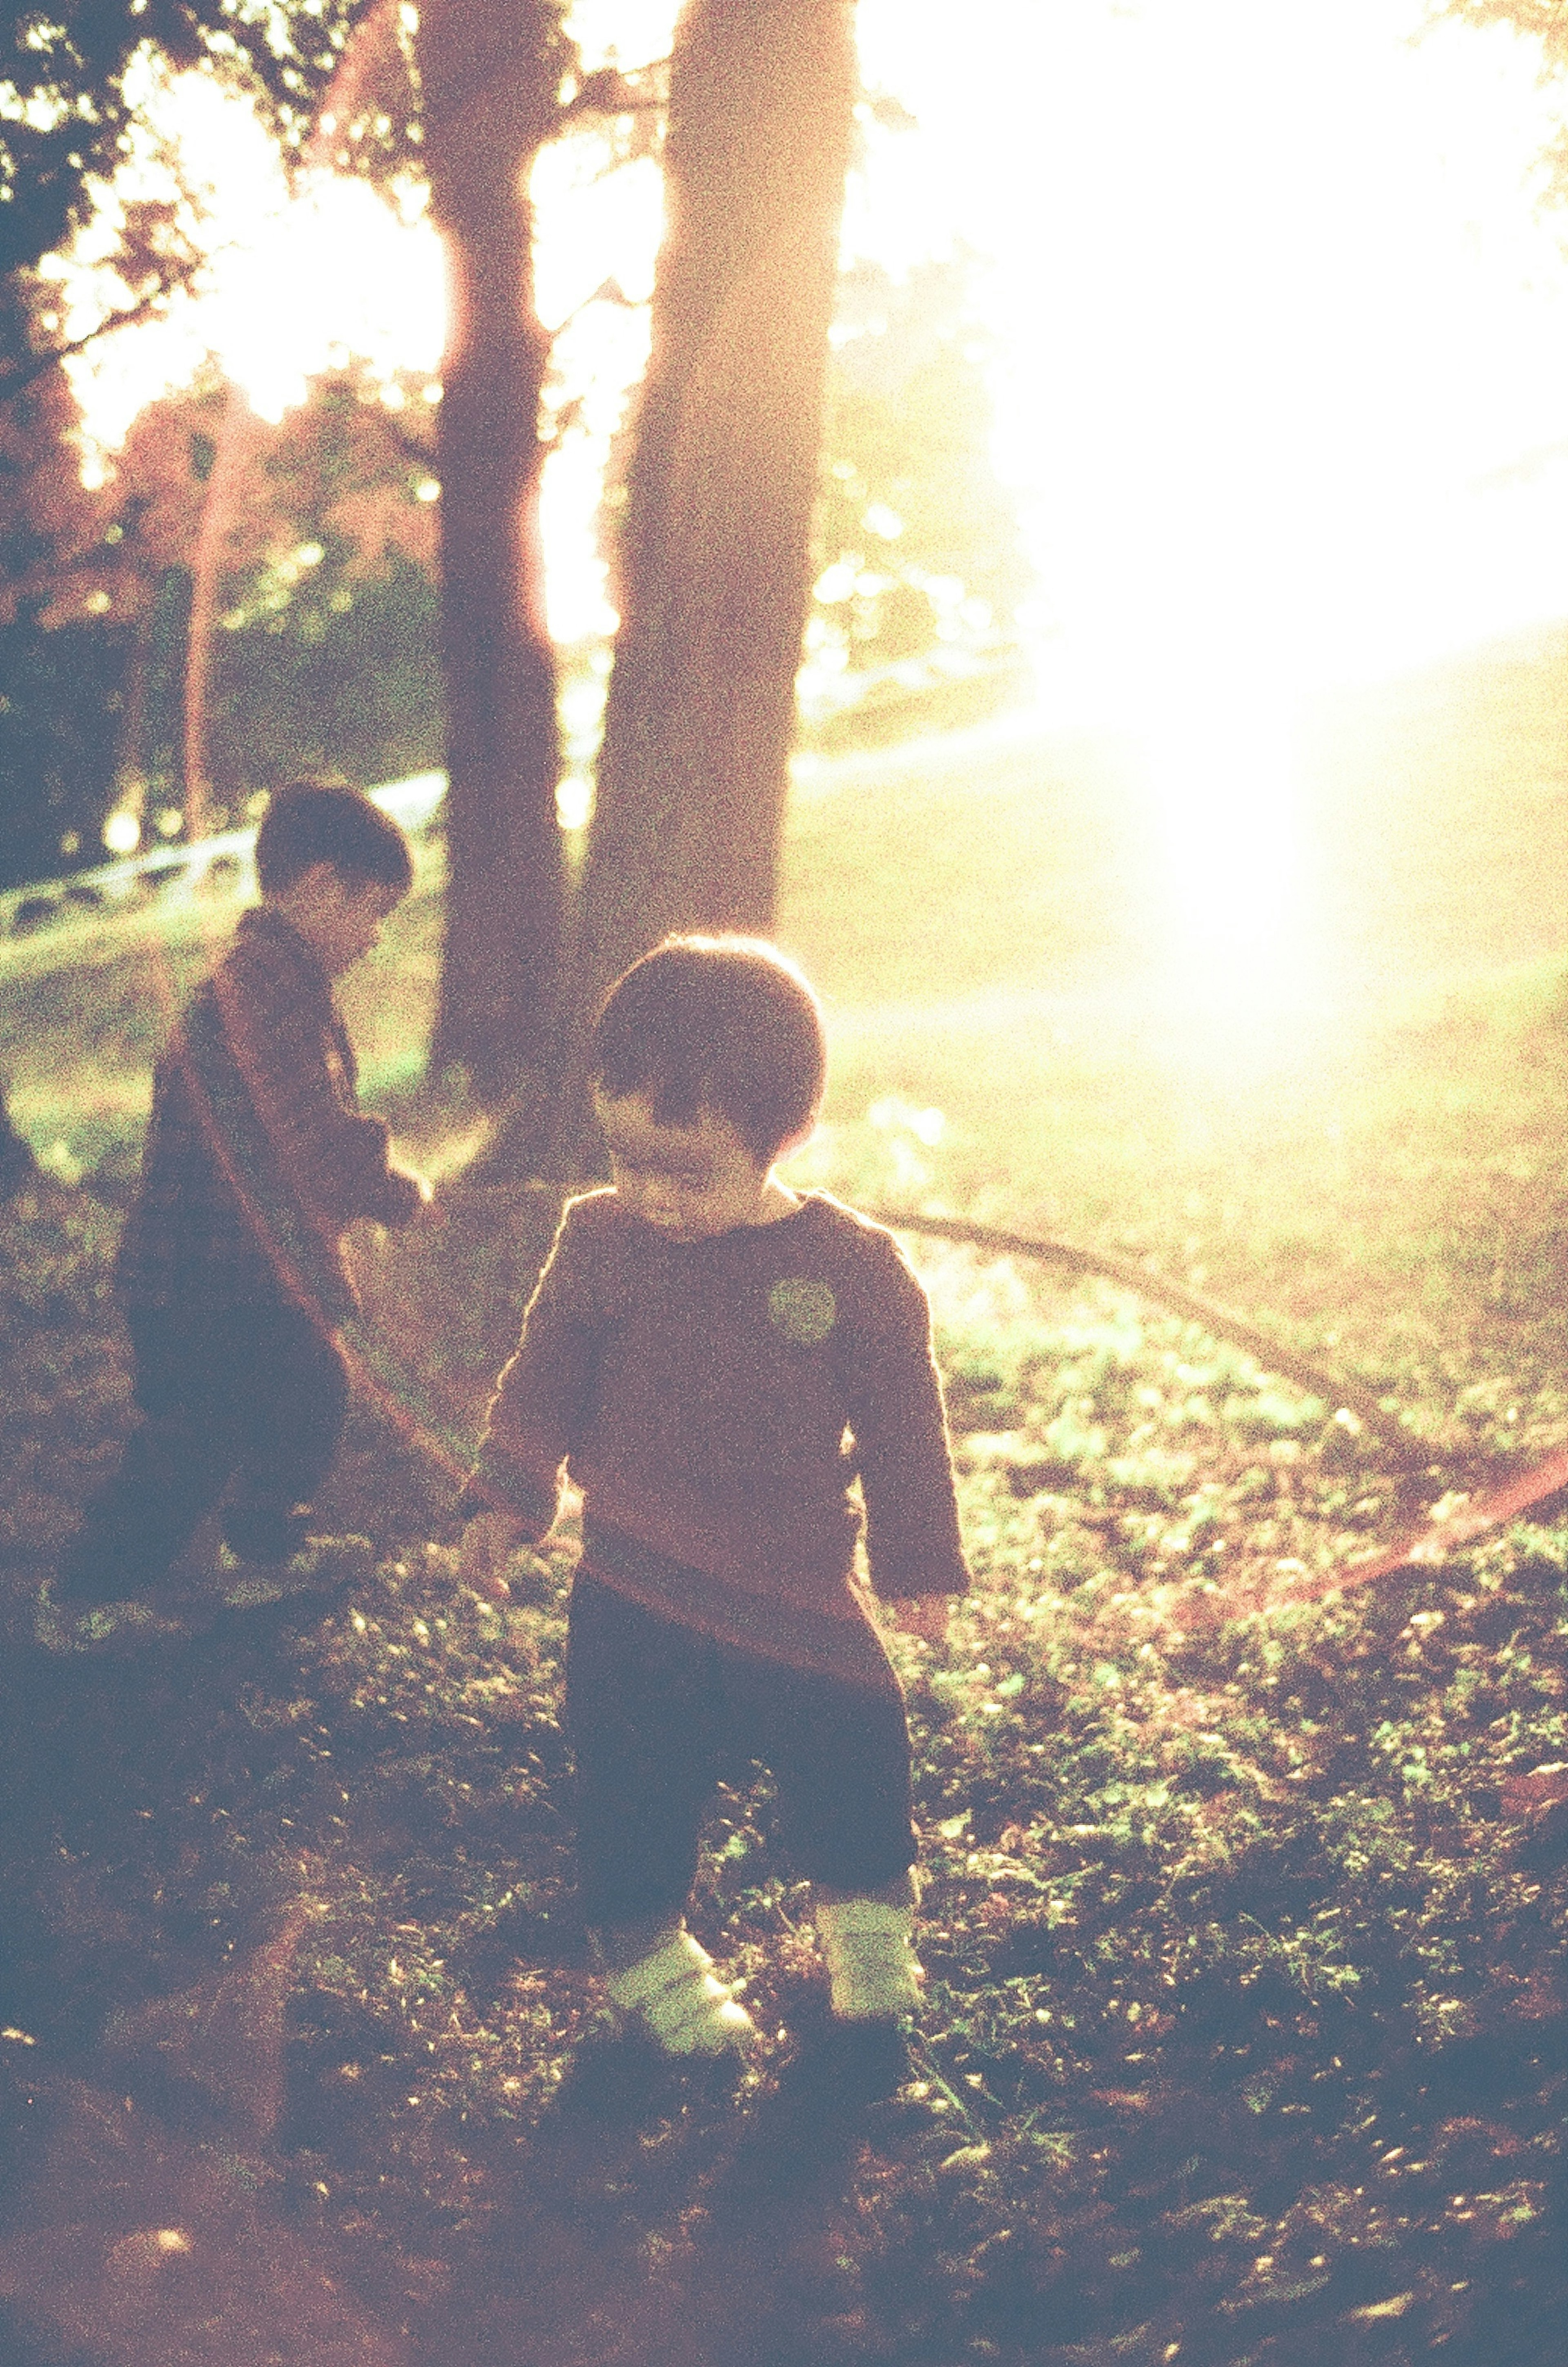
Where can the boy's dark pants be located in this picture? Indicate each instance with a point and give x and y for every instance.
(659, 1713)
(254, 1393)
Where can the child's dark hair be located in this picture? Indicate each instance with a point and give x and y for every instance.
(725, 1024)
(328, 822)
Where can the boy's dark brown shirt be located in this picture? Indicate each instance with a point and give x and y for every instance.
(248, 1190)
(700, 1395)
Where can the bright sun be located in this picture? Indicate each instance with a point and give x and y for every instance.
(1280, 343)
(1283, 346)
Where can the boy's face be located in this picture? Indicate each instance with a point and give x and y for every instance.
(689, 1183)
(339, 917)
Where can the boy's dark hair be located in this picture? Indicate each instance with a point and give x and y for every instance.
(327, 821)
(726, 1024)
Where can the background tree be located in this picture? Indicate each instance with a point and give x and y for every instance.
(71, 114)
(329, 648)
(715, 538)
(63, 645)
(326, 640)
(1545, 21)
(491, 73)
(467, 99)
(917, 563)
(73, 84)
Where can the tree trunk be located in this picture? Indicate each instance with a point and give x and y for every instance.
(714, 556)
(213, 538)
(491, 73)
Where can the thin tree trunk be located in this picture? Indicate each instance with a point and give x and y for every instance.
(206, 575)
(491, 73)
(129, 775)
(714, 557)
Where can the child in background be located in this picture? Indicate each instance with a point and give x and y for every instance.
(231, 1271)
(713, 1359)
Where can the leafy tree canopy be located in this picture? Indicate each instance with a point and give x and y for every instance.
(1546, 20)
(67, 94)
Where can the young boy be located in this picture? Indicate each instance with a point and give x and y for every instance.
(714, 1359)
(231, 1272)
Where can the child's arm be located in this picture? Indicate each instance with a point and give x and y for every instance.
(913, 1545)
(924, 1616)
(534, 1417)
(335, 1159)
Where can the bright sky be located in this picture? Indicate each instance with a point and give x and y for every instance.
(1283, 362)
(1276, 305)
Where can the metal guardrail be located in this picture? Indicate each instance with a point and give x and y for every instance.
(170, 875)
(175, 874)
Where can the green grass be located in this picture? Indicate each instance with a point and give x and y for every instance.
(983, 912)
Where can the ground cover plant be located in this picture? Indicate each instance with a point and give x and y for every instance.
(1246, 2004)
(1245, 1911)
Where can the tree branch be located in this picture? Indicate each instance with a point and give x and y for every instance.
(1218, 1322)
(610, 91)
(16, 377)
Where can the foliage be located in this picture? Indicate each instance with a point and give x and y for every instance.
(48, 518)
(1543, 20)
(1245, 1990)
(347, 679)
(916, 543)
(327, 647)
(60, 718)
(69, 95)
(344, 677)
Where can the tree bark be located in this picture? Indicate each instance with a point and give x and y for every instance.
(491, 73)
(714, 553)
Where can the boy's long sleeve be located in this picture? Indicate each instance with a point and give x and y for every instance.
(298, 1069)
(257, 1155)
(913, 1545)
(541, 1401)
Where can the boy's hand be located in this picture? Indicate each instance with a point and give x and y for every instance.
(489, 1542)
(924, 1616)
(405, 1196)
(430, 1214)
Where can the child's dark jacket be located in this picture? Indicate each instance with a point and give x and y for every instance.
(700, 1395)
(257, 1157)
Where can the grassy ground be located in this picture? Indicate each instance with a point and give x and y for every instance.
(1244, 2036)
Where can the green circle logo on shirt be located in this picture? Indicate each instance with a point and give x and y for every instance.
(804, 1311)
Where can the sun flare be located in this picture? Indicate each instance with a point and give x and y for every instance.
(1278, 338)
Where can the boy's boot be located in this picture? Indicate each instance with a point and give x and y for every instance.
(673, 1992)
(808, 2127)
(874, 1983)
(267, 1556)
(102, 1596)
(677, 2025)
